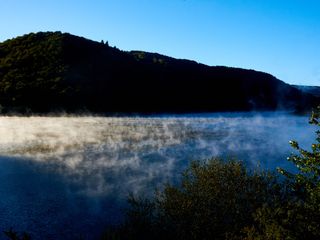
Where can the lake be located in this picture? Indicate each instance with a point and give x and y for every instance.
(69, 176)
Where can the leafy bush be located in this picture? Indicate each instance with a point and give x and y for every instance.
(215, 200)
(12, 235)
(298, 216)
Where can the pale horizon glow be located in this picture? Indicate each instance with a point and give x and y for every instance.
(280, 37)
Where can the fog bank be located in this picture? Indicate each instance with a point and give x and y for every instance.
(140, 149)
(85, 167)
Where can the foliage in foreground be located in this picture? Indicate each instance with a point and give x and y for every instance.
(299, 216)
(11, 234)
(223, 200)
(215, 200)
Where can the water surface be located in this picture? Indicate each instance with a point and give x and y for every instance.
(68, 176)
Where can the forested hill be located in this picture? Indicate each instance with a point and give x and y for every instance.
(53, 71)
(313, 90)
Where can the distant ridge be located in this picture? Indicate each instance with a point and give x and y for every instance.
(313, 90)
(54, 71)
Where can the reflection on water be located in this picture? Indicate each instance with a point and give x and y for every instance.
(69, 174)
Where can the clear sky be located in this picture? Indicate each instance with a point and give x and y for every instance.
(281, 37)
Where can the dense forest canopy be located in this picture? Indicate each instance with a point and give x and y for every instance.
(53, 71)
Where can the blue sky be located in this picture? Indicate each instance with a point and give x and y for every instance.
(281, 37)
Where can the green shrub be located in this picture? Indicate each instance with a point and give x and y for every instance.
(215, 200)
(298, 215)
(13, 235)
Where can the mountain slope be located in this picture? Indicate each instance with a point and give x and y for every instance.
(50, 71)
(313, 90)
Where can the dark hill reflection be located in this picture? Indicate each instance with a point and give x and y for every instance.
(71, 175)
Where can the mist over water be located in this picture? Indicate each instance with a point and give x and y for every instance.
(70, 175)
